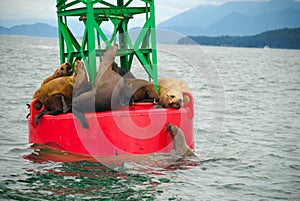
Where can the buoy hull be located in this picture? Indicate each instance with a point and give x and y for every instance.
(132, 130)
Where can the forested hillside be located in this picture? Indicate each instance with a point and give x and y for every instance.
(282, 38)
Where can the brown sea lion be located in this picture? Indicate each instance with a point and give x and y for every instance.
(100, 97)
(137, 90)
(56, 95)
(107, 82)
(63, 70)
(179, 143)
(171, 93)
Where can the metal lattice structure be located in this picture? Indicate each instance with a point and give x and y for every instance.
(92, 14)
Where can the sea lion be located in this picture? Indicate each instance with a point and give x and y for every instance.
(179, 143)
(107, 82)
(63, 70)
(56, 95)
(171, 93)
(100, 97)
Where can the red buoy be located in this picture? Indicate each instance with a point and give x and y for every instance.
(136, 129)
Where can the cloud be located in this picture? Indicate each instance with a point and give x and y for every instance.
(37, 9)
(14, 12)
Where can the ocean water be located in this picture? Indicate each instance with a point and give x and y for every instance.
(247, 131)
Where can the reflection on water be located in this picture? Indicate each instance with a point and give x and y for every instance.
(79, 179)
(131, 178)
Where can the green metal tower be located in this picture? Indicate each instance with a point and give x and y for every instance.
(92, 13)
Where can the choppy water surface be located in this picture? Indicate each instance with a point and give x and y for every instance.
(248, 142)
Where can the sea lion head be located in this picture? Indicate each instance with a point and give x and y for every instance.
(81, 82)
(170, 98)
(173, 130)
(124, 72)
(63, 70)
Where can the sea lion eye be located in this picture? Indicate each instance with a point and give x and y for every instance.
(62, 68)
(172, 96)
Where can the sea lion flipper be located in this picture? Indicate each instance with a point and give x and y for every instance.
(50, 112)
(81, 118)
(107, 60)
(37, 118)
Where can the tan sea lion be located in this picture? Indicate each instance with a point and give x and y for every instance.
(56, 95)
(63, 70)
(179, 143)
(171, 93)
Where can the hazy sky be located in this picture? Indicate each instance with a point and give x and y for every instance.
(15, 12)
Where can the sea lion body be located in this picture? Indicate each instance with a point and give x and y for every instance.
(63, 70)
(179, 142)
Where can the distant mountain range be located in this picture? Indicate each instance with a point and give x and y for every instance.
(242, 18)
(236, 18)
(38, 29)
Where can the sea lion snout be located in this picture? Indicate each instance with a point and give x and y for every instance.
(68, 68)
(176, 105)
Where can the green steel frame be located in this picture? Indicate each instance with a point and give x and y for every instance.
(92, 13)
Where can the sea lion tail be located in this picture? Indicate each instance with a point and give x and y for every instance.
(81, 118)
